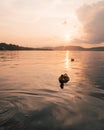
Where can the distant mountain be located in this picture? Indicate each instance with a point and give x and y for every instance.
(78, 48)
(5, 46)
(96, 49)
(71, 48)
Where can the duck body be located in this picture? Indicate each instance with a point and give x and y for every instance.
(64, 78)
(72, 59)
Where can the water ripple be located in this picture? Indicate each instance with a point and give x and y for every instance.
(7, 111)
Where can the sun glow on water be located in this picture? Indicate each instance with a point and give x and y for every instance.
(67, 60)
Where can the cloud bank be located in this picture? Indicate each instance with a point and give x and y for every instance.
(92, 19)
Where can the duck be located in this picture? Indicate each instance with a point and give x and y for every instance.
(64, 78)
(72, 59)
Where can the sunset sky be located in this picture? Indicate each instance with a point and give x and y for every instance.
(38, 23)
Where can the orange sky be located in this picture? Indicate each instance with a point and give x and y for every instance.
(39, 23)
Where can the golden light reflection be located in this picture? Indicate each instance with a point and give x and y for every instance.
(67, 65)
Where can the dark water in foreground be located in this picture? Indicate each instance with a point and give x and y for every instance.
(30, 96)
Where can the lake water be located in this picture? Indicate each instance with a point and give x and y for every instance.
(31, 97)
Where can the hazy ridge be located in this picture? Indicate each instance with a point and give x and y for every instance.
(5, 46)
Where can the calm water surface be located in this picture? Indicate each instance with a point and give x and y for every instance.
(31, 97)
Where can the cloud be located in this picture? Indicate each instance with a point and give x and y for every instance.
(92, 19)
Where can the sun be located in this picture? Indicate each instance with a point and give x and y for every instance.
(67, 37)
